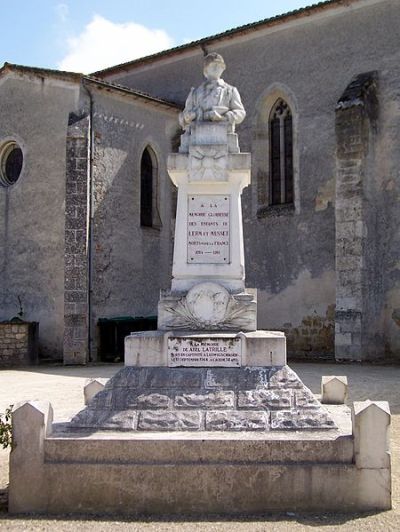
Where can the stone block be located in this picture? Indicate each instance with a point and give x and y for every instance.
(129, 378)
(334, 390)
(301, 420)
(148, 348)
(220, 399)
(254, 378)
(153, 400)
(264, 348)
(264, 398)
(92, 387)
(169, 420)
(179, 378)
(371, 424)
(284, 377)
(154, 348)
(221, 378)
(31, 422)
(119, 420)
(234, 420)
(305, 399)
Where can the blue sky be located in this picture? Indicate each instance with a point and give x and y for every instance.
(86, 35)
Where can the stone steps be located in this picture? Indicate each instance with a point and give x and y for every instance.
(204, 399)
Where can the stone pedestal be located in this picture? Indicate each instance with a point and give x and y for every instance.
(205, 349)
(209, 237)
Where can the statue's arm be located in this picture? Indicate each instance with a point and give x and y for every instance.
(236, 113)
(188, 114)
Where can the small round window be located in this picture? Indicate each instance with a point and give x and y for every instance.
(11, 159)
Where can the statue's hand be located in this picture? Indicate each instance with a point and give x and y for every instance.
(231, 117)
(189, 116)
(214, 116)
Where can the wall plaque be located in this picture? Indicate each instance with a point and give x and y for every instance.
(208, 228)
(200, 352)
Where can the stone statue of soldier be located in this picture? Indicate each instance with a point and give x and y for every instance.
(214, 100)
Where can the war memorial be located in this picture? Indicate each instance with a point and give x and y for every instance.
(206, 417)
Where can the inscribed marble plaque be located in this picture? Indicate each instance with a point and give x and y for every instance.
(200, 352)
(208, 226)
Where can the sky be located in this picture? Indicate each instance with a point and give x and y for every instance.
(88, 35)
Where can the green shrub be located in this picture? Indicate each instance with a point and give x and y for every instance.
(5, 429)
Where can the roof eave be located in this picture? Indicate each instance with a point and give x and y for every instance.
(229, 34)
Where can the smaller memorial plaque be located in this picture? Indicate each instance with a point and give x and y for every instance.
(203, 352)
(208, 229)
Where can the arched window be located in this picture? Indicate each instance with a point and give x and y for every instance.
(281, 154)
(148, 185)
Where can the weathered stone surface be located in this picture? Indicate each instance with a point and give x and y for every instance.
(89, 418)
(205, 400)
(153, 400)
(102, 400)
(165, 378)
(301, 419)
(196, 348)
(234, 420)
(334, 390)
(105, 419)
(237, 312)
(221, 378)
(168, 420)
(264, 398)
(120, 420)
(128, 378)
(198, 472)
(371, 423)
(179, 398)
(92, 387)
(284, 377)
(305, 399)
(18, 343)
(254, 378)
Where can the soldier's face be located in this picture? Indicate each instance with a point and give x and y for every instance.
(213, 70)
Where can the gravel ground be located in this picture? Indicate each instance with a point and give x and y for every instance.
(63, 387)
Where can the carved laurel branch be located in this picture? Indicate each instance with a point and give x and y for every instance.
(236, 316)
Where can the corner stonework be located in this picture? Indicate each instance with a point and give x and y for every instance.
(76, 231)
(356, 115)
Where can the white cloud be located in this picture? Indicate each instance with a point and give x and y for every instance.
(103, 43)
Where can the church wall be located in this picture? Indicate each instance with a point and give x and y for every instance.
(35, 113)
(130, 263)
(290, 255)
(385, 224)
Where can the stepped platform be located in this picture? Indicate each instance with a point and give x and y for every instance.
(205, 399)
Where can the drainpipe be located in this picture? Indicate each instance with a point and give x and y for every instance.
(90, 219)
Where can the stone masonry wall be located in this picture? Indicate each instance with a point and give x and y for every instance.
(313, 337)
(354, 116)
(34, 111)
(18, 344)
(76, 236)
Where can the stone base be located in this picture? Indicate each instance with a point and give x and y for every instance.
(205, 399)
(191, 473)
(257, 348)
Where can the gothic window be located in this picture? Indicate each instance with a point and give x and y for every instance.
(146, 189)
(149, 190)
(281, 154)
